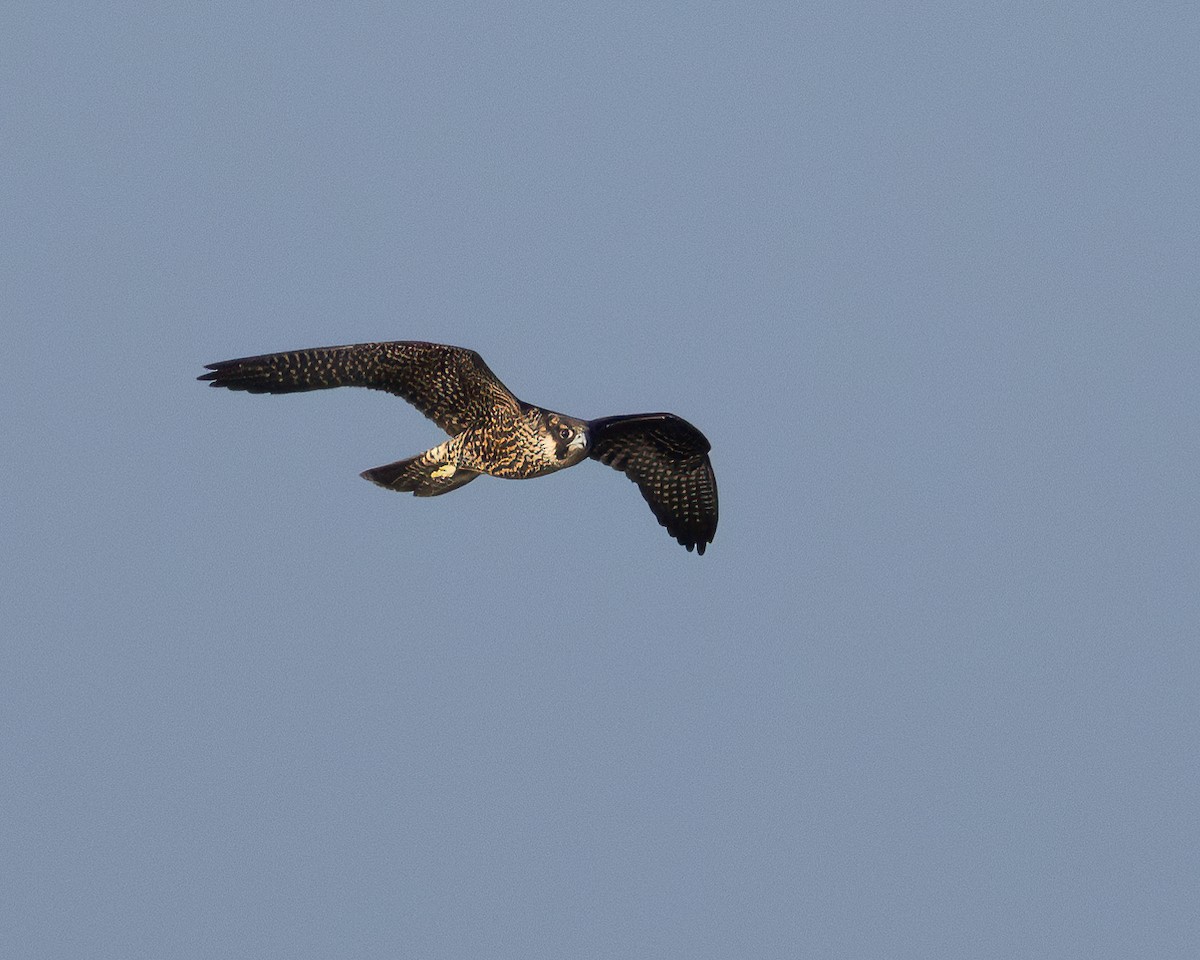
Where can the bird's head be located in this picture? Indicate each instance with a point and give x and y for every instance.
(563, 439)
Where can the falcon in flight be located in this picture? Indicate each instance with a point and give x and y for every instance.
(493, 432)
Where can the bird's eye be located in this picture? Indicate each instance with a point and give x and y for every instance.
(565, 432)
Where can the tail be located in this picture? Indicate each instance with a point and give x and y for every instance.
(425, 475)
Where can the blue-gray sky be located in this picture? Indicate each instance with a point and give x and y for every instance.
(925, 275)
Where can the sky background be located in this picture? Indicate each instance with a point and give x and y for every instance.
(925, 275)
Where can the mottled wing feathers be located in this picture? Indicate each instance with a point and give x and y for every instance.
(668, 459)
(450, 385)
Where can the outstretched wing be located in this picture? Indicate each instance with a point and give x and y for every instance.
(668, 459)
(452, 386)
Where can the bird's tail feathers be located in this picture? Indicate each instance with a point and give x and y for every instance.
(422, 476)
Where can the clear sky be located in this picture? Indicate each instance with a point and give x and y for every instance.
(926, 276)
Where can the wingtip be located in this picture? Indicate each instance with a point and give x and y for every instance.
(215, 372)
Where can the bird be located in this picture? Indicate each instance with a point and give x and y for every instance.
(492, 432)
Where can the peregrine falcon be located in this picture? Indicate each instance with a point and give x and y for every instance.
(493, 432)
